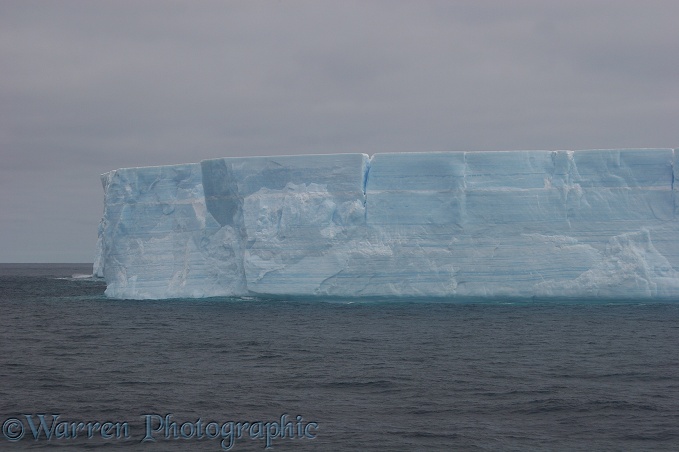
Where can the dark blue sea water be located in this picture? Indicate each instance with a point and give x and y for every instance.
(369, 375)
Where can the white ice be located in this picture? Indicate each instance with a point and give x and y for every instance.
(594, 224)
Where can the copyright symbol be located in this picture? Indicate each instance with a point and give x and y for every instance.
(13, 429)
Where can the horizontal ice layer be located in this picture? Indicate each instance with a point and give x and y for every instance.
(598, 223)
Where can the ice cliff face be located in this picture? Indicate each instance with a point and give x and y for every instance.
(598, 223)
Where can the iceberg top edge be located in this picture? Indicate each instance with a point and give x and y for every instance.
(370, 156)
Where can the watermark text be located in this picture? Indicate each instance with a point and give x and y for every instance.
(155, 427)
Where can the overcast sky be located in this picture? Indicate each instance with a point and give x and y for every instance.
(91, 86)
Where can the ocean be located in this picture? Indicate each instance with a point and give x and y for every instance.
(79, 371)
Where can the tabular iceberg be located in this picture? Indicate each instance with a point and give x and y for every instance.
(591, 224)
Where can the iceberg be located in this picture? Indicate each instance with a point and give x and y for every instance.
(596, 224)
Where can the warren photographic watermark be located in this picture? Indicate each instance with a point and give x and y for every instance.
(155, 428)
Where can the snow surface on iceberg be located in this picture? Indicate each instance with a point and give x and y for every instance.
(595, 224)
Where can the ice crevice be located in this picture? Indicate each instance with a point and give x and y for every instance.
(590, 223)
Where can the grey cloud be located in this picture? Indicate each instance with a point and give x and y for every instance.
(92, 86)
